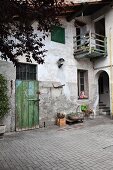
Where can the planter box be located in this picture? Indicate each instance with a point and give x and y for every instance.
(61, 122)
(2, 129)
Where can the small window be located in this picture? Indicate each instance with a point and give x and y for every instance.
(83, 84)
(26, 72)
(58, 34)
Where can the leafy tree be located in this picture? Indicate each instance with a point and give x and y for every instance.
(17, 35)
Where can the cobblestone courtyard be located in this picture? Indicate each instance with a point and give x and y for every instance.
(87, 146)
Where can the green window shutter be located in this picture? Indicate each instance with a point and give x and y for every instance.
(58, 34)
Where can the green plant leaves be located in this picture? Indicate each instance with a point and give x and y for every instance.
(4, 100)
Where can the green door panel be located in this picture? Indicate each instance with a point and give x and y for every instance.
(27, 105)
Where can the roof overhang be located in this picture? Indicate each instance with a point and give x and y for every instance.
(88, 7)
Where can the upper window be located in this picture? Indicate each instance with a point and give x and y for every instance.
(83, 84)
(58, 34)
(26, 72)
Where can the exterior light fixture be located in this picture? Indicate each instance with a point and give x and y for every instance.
(60, 62)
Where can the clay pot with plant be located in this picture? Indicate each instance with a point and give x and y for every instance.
(4, 102)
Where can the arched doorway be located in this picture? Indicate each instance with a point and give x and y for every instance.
(104, 95)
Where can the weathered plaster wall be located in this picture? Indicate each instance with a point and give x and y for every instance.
(8, 70)
(109, 34)
(65, 98)
(68, 73)
(53, 100)
(105, 64)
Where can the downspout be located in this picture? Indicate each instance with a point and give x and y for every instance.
(38, 93)
(111, 98)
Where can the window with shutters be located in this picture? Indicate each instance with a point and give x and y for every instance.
(58, 34)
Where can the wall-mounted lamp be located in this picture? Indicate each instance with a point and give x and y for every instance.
(60, 62)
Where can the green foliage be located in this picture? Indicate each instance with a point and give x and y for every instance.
(18, 37)
(4, 100)
(84, 107)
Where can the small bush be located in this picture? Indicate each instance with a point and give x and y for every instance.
(4, 100)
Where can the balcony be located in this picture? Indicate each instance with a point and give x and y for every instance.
(90, 45)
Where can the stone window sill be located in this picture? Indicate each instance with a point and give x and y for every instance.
(82, 98)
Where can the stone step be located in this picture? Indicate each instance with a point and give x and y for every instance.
(105, 113)
(104, 110)
(104, 107)
(101, 104)
(108, 112)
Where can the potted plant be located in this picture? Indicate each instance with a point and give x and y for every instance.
(61, 120)
(4, 102)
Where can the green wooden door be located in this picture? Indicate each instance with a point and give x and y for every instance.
(27, 105)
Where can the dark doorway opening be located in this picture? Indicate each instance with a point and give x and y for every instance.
(104, 96)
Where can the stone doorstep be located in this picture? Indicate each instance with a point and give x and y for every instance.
(102, 105)
(105, 112)
(104, 109)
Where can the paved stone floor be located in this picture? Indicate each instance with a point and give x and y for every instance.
(84, 146)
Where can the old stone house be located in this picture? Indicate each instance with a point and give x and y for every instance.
(79, 59)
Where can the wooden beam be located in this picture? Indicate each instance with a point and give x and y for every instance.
(79, 23)
(90, 3)
(79, 12)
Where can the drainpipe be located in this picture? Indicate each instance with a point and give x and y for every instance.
(90, 41)
(111, 68)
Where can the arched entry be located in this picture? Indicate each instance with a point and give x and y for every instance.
(104, 95)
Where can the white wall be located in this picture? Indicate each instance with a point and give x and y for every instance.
(102, 62)
(68, 72)
(105, 64)
(56, 51)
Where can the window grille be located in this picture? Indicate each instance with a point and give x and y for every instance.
(26, 72)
